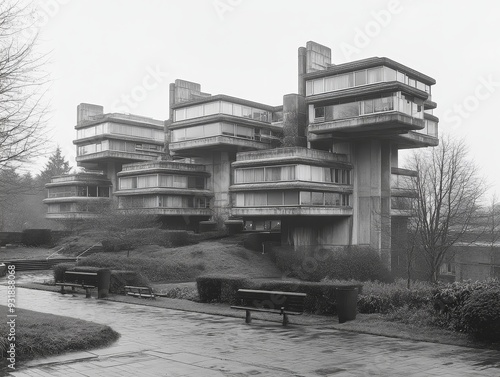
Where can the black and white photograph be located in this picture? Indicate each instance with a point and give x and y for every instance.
(231, 188)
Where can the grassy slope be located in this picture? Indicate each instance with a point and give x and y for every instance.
(41, 334)
(163, 265)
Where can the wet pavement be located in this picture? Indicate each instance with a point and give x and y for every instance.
(164, 342)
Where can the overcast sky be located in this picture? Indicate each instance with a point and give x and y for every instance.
(123, 54)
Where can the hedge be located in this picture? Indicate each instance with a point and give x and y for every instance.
(450, 300)
(334, 262)
(481, 314)
(221, 288)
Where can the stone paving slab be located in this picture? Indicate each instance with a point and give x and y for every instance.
(164, 342)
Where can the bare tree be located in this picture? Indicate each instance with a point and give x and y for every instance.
(449, 190)
(22, 84)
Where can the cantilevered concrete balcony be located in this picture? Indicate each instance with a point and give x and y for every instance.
(75, 196)
(117, 155)
(382, 123)
(221, 142)
(171, 212)
(291, 211)
(290, 155)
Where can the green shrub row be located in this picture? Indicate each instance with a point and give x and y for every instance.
(335, 262)
(383, 298)
(222, 288)
(119, 278)
(469, 307)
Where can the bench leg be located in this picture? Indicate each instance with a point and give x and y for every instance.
(87, 293)
(62, 289)
(285, 319)
(248, 317)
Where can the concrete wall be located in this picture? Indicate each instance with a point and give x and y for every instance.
(85, 111)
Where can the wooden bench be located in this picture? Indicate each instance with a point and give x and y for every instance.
(143, 292)
(85, 280)
(283, 303)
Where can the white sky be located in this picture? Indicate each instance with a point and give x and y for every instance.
(103, 50)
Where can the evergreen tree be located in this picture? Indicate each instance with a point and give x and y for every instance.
(57, 165)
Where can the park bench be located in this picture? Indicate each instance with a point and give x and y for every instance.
(85, 280)
(143, 292)
(283, 303)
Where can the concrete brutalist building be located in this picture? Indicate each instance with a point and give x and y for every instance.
(322, 168)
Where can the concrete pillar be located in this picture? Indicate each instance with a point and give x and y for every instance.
(302, 70)
(371, 196)
(220, 180)
(294, 121)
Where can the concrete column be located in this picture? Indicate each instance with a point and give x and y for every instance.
(371, 218)
(302, 67)
(220, 180)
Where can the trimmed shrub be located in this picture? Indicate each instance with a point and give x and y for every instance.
(286, 258)
(120, 278)
(449, 300)
(382, 297)
(337, 262)
(37, 237)
(480, 314)
(359, 263)
(320, 296)
(221, 288)
(183, 293)
(60, 269)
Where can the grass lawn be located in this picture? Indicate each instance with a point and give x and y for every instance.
(40, 334)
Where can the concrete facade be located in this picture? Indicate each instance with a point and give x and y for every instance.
(321, 167)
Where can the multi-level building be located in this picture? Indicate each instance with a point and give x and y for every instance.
(321, 168)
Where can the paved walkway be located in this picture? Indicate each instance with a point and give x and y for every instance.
(165, 342)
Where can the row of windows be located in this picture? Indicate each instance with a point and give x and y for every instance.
(263, 225)
(120, 129)
(227, 129)
(222, 107)
(394, 102)
(290, 198)
(362, 77)
(85, 191)
(163, 201)
(75, 207)
(116, 145)
(292, 173)
(162, 180)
